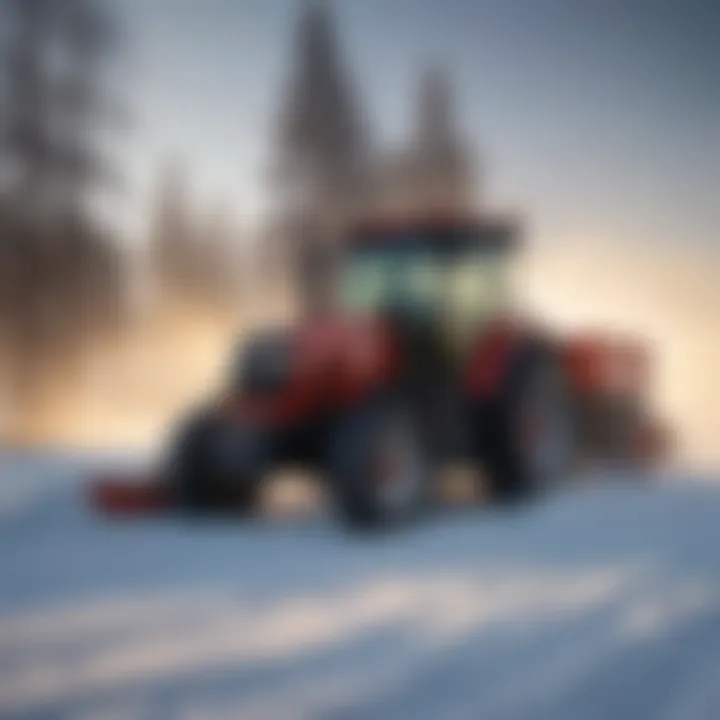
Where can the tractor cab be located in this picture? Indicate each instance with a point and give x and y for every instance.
(447, 276)
(438, 283)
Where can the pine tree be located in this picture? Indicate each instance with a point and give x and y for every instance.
(436, 168)
(218, 260)
(322, 143)
(441, 168)
(60, 284)
(172, 237)
(322, 166)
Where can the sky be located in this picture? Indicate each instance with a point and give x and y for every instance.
(598, 119)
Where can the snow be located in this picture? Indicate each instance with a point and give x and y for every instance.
(602, 601)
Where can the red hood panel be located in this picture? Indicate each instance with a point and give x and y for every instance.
(336, 361)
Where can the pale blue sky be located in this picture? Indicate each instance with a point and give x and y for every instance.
(599, 118)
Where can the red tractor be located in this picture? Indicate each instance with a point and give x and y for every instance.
(425, 363)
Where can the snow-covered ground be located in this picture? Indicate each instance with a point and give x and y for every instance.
(601, 602)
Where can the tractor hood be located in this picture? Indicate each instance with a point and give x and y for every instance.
(318, 367)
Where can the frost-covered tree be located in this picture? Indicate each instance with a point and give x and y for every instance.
(322, 158)
(443, 169)
(60, 284)
(172, 237)
(436, 168)
(322, 162)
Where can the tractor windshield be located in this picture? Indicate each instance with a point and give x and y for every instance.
(477, 286)
(375, 280)
(464, 282)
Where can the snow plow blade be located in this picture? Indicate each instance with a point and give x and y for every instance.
(126, 497)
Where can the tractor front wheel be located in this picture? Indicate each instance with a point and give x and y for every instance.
(379, 469)
(215, 467)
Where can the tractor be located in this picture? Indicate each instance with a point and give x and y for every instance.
(423, 362)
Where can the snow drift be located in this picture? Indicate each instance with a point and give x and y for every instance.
(603, 601)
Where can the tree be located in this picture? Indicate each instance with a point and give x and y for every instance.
(219, 260)
(322, 167)
(436, 169)
(60, 283)
(172, 241)
(443, 163)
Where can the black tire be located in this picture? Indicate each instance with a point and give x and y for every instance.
(367, 497)
(205, 482)
(517, 468)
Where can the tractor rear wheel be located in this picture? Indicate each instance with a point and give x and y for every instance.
(530, 428)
